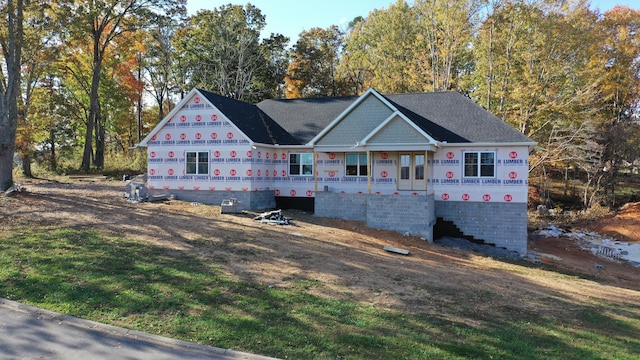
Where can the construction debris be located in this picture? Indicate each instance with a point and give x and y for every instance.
(273, 217)
(231, 206)
(396, 250)
(91, 178)
(597, 244)
(14, 188)
(136, 190)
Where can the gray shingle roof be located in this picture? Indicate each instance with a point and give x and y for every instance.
(252, 121)
(305, 118)
(446, 116)
(454, 118)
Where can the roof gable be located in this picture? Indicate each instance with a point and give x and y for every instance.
(397, 130)
(355, 123)
(248, 119)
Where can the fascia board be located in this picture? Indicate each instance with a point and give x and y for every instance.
(478, 144)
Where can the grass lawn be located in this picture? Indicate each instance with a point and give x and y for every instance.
(115, 280)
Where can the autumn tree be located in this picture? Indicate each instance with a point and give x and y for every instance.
(38, 56)
(382, 46)
(11, 42)
(313, 71)
(619, 60)
(443, 41)
(100, 24)
(156, 64)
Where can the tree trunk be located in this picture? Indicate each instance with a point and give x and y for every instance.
(53, 164)
(26, 165)
(100, 133)
(9, 95)
(94, 105)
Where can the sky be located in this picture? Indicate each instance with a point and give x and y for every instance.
(290, 17)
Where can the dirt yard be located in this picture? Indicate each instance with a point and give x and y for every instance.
(346, 257)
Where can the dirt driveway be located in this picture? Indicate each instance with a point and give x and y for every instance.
(345, 258)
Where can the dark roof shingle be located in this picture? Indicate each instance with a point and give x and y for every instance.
(252, 121)
(446, 116)
(454, 118)
(305, 118)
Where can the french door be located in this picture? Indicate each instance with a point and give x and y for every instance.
(412, 171)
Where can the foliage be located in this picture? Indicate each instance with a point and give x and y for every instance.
(313, 72)
(561, 73)
(220, 50)
(382, 45)
(99, 25)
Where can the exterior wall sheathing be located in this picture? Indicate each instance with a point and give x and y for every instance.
(499, 223)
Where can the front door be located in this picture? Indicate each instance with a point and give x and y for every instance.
(412, 172)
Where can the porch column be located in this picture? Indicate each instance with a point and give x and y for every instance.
(426, 171)
(369, 171)
(315, 171)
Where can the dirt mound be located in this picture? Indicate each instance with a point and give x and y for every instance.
(622, 226)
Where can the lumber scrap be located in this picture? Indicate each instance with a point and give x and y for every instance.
(396, 250)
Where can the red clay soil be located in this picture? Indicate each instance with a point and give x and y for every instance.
(622, 226)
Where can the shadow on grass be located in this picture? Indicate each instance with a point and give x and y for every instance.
(178, 294)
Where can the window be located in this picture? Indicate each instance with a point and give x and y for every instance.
(419, 167)
(479, 164)
(356, 164)
(301, 164)
(198, 163)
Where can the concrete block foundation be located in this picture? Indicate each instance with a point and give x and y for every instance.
(501, 224)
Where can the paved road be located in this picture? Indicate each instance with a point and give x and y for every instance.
(31, 333)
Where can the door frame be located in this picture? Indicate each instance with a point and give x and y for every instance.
(409, 163)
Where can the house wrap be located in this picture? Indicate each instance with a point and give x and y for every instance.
(397, 162)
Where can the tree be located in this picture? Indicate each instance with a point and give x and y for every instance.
(443, 39)
(382, 46)
(157, 64)
(102, 23)
(619, 61)
(38, 55)
(314, 69)
(271, 79)
(221, 51)
(11, 41)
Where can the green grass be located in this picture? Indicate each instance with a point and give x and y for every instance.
(182, 295)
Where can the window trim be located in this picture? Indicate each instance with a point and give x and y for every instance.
(359, 166)
(197, 163)
(301, 164)
(479, 165)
